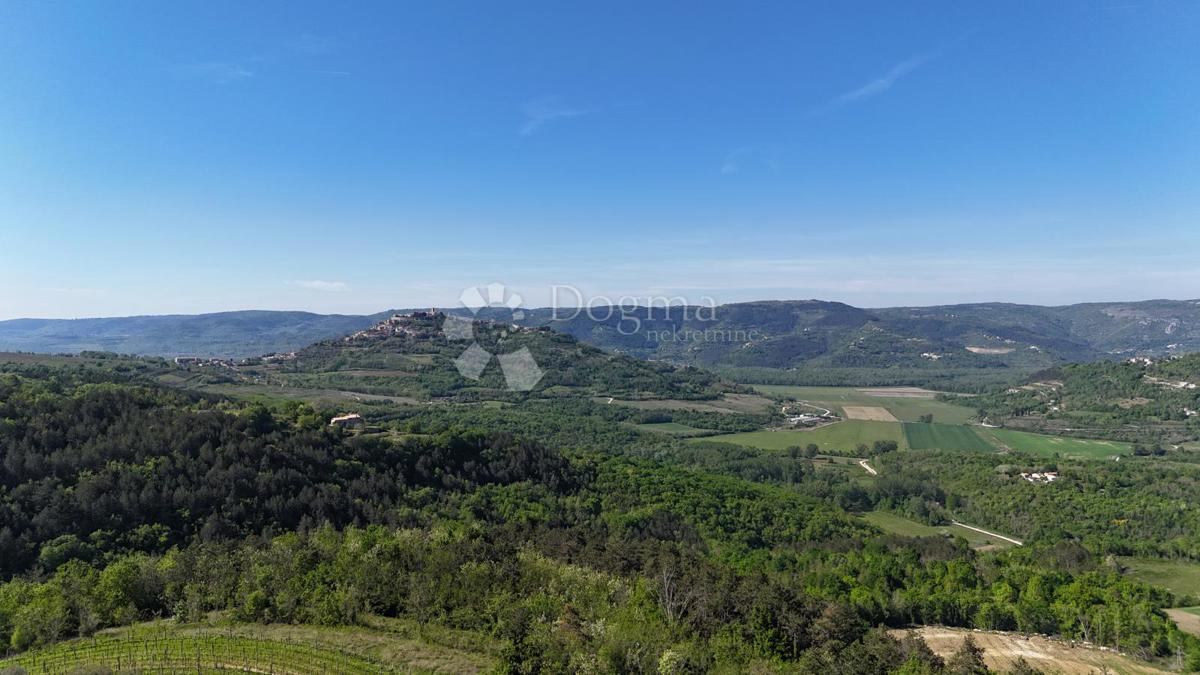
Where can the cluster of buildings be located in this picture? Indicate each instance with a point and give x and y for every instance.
(203, 361)
(416, 324)
(1040, 477)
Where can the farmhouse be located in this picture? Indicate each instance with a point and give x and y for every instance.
(348, 421)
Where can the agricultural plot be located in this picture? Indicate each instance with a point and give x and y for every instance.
(906, 404)
(944, 437)
(868, 412)
(727, 403)
(200, 654)
(1187, 618)
(386, 646)
(838, 438)
(1048, 446)
(1180, 577)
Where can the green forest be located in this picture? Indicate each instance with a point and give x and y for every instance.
(553, 528)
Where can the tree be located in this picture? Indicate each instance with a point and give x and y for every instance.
(1022, 667)
(967, 660)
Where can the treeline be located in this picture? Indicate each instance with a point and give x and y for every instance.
(547, 615)
(964, 380)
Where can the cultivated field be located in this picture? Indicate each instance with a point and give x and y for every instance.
(899, 392)
(839, 438)
(944, 437)
(1001, 651)
(890, 522)
(905, 403)
(1048, 446)
(866, 412)
(1180, 577)
(728, 403)
(388, 646)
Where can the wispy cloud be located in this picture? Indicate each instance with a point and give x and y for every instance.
(323, 286)
(216, 72)
(748, 156)
(542, 111)
(878, 85)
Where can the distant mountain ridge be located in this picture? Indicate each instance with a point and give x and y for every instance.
(221, 334)
(767, 334)
(815, 333)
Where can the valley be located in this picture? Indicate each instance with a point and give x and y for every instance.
(910, 463)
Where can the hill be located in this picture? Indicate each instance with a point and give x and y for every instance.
(820, 342)
(1140, 399)
(427, 356)
(224, 334)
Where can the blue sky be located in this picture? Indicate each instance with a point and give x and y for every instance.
(349, 157)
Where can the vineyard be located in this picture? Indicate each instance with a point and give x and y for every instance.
(192, 654)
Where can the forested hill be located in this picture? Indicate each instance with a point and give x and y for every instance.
(1138, 399)
(831, 335)
(420, 355)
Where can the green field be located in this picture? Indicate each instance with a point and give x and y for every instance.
(890, 522)
(1037, 444)
(838, 438)
(905, 409)
(1180, 577)
(944, 437)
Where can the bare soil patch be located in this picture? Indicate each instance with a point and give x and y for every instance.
(1001, 651)
(1188, 619)
(866, 412)
(990, 350)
